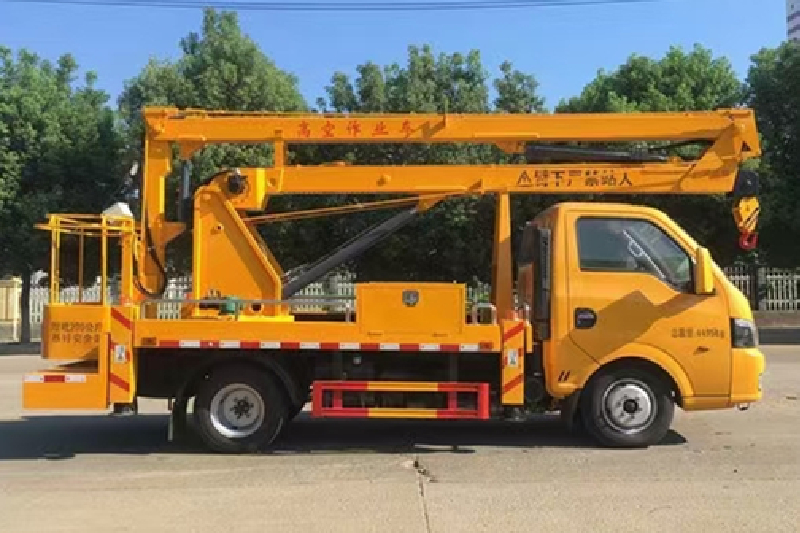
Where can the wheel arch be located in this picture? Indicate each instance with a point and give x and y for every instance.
(278, 367)
(660, 364)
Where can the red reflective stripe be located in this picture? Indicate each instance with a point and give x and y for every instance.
(297, 345)
(54, 378)
(511, 385)
(119, 382)
(122, 319)
(516, 330)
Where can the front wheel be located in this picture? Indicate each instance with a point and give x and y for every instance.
(627, 407)
(239, 409)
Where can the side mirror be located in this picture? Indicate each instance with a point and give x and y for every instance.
(703, 274)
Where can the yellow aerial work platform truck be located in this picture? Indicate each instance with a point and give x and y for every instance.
(619, 314)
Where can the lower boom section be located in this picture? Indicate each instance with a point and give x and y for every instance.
(368, 399)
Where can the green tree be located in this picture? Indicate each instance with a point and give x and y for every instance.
(773, 90)
(59, 152)
(453, 240)
(679, 81)
(220, 68)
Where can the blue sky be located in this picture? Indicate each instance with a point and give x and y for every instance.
(562, 46)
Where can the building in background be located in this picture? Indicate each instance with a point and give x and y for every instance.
(793, 20)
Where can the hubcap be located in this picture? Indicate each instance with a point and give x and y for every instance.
(237, 411)
(629, 406)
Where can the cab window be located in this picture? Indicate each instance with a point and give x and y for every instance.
(632, 245)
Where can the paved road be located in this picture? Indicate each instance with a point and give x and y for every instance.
(720, 471)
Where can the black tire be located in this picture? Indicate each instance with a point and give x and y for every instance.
(627, 388)
(262, 409)
(296, 409)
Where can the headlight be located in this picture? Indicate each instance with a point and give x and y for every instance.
(743, 333)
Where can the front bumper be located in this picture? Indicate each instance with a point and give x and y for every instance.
(747, 369)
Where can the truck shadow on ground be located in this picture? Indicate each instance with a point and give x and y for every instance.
(65, 437)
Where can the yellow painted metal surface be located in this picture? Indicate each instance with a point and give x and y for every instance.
(747, 364)
(73, 332)
(390, 412)
(651, 178)
(403, 386)
(703, 273)
(85, 333)
(150, 332)
(513, 362)
(686, 334)
(203, 126)
(426, 309)
(732, 133)
(638, 315)
(229, 256)
(502, 288)
(81, 385)
(746, 214)
(87, 394)
(122, 363)
(638, 308)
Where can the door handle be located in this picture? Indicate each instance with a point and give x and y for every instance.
(585, 318)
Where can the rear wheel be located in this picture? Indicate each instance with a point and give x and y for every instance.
(240, 409)
(627, 407)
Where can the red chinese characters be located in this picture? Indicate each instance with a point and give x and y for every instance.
(304, 130)
(354, 128)
(328, 129)
(380, 129)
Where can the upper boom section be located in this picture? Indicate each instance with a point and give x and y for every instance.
(208, 127)
(730, 137)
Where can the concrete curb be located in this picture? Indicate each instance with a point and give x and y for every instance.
(773, 336)
(16, 348)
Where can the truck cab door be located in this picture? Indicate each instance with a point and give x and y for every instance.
(631, 284)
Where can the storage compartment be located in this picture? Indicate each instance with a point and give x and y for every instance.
(411, 308)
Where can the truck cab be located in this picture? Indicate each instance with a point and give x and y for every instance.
(631, 317)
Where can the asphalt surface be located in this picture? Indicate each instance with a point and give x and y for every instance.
(718, 471)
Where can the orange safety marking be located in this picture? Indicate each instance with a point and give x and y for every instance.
(484, 346)
(514, 383)
(516, 330)
(119, 382)
(122, 319)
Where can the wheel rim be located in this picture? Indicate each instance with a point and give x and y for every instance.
(237, 411)
(629, 406)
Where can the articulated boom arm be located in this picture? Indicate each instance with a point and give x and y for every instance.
(730, 137)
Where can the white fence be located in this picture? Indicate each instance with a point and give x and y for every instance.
(341, 285)
(769, 289)
(773, 289)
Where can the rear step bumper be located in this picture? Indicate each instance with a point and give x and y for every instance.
(76, 386)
